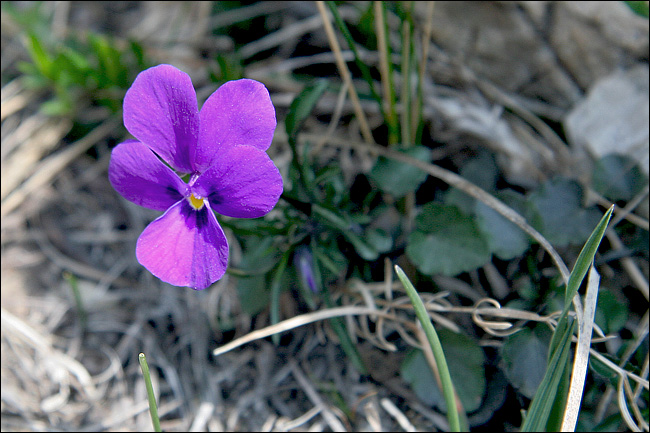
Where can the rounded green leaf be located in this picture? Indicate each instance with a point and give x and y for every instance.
(379, 239)
(504, 238)
(555, 209)
(398, 178)
(446, 242)
(524, 358)
(611, 314)
(618, 177)
(302, 106)
(466, 368)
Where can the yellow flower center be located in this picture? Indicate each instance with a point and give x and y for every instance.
(197, 203)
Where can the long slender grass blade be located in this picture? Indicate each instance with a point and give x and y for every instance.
(436, 347)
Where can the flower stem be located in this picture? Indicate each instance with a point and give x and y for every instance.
(153, 410)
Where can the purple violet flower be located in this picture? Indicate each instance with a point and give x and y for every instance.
(222, 148)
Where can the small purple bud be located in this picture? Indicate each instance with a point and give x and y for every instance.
(304, 262)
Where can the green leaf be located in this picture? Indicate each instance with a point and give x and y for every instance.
(331, 260)
(365, 250)
(446, 242)
(40, 57)
(260, 257)
(611, 314)
(379, 240)
(398, 178)
(555, 210)
(138, 54)
(639, 7)
(230, 68)
(524, 358)
(302, 106)
(253, 294)
(604, 371)
(56, 107)
(618, 177)
(466, 366)
(276, 288)
(504, 238)
(482, 171)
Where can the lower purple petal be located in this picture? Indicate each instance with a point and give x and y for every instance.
(184, 247)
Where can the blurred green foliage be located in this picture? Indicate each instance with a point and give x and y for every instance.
(639, 7)
(78, 70)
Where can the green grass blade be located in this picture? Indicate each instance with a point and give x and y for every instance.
(542, 404)
(584, 261)
(81, 311)
(153, 408)
(406, 80)
(586, 257)
(275, 292)
(436, 347)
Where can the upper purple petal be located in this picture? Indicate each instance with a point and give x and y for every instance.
(239, 112)
(184, 247)
(160, 110)
(141, 177)
(242, 182)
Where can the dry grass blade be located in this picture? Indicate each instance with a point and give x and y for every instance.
(382, 48)
(581, 357)
(345, 73)
(333, 422)
(61, 362)
(24, 147)
(398, 415)
(53, 165)
(296, 322)
(289, 425)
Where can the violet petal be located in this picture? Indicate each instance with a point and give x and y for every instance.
(160, 110)
(239, 112)
(242, 183)
(140, 177)
(184, 247)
